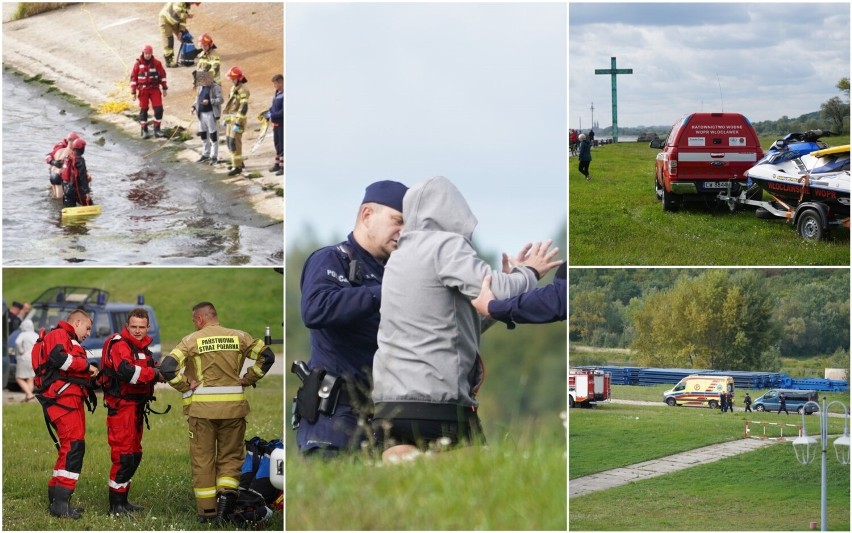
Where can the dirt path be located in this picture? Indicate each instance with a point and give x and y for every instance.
(89, 49)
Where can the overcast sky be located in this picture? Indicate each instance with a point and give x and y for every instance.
(771, 59)
(474, 92)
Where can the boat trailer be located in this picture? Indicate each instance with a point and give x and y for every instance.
(812, 219)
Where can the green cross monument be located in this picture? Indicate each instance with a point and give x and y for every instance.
(612, 71)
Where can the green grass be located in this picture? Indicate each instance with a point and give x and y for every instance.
(163, 483)
(513, 484)
(763, 490)
(30, 9)
(615, 435)
(246, 298)
(619, 208)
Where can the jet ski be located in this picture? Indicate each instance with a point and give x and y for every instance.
(794, 145)
(821, 176)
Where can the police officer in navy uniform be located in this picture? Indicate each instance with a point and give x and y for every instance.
(747, 403)
(341, 294)
(539, 306)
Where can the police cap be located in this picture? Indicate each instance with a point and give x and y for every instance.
(389, 193)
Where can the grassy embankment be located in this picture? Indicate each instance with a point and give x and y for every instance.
(762, 490)
(516, 483)
(619, 208)
(163, 483)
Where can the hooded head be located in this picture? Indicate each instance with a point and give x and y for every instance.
(437, 205)
(27, 325)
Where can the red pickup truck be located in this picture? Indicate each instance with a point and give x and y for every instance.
(703, 154)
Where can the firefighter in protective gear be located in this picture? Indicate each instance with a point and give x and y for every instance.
(55, 159)
(75, 177)
(128, 376)
(63, 385)
(215, 403)
(235, 112)
(146, 79)
(173, 19)
(208, 60)
(275, 114)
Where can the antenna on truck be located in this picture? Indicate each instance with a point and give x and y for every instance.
(721, 101)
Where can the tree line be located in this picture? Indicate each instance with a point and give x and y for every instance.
(732, 319)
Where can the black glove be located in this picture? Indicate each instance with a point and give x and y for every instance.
(58, 356)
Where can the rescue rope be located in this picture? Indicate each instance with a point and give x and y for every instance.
(86, 11)
(174, 132)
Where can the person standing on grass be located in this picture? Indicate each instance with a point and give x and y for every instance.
(63, 385)
(721, 402)
(747, 403)
(783, 405)
(24, 373)
(585, 156)
(205, 366)
(731, 401)
(129, 374)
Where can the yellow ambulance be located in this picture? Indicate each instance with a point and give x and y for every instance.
(699, 391)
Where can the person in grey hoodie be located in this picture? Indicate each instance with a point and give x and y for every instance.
(427, 368)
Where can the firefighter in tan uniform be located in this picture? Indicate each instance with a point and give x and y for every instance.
(235, 113)
(173, 18)
(215, 403)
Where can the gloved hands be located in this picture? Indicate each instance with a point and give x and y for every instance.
(267, 115)
(236, 128)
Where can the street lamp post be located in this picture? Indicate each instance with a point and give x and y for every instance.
(805, 449)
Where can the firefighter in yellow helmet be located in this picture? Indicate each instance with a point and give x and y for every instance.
(173, 18)
(208, 59)
(235, 111)
(215, 404)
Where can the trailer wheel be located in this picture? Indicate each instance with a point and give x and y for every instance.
(671, 402)
(571, 402)
(712, 404)
(760, 408)
(809, 226)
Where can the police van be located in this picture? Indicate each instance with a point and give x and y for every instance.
(108, 318)
(703, 155)
(699, 391)
(794, 400)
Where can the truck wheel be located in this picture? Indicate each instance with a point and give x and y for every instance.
(671, 402)
(571, 401)
(760, 408)
(809, 225)
(670, 201)
(712, 404)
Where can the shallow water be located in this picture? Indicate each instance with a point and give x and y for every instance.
(154, 210)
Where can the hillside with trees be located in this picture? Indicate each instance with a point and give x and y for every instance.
(733, 319)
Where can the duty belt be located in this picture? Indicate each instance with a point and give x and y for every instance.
(215, 394)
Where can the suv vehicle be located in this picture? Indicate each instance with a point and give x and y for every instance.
(108, 318)
(704, 154)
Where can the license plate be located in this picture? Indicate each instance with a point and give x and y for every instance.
(715, 184)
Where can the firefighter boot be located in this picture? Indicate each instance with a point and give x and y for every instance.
(225, 506)
(117, 502)
(157, 133)
(50, 498)
(145, 134)
(129, 506)
(170, 63)
(61, 504)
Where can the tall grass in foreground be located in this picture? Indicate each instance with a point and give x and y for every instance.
(516, 483)
(163, 483)
(763, 490)
(615, 219)
(30, 9)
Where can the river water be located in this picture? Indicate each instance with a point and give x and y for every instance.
(154, 210)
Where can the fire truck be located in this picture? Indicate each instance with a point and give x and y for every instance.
(588, 386)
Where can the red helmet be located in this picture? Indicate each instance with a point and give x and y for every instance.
(72, 136)
(235, 73)
(78, 144)
(206, 40)
(148, 49)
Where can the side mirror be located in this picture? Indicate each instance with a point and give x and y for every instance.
(656, 143)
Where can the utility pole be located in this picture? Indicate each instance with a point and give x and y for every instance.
(613, 72)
